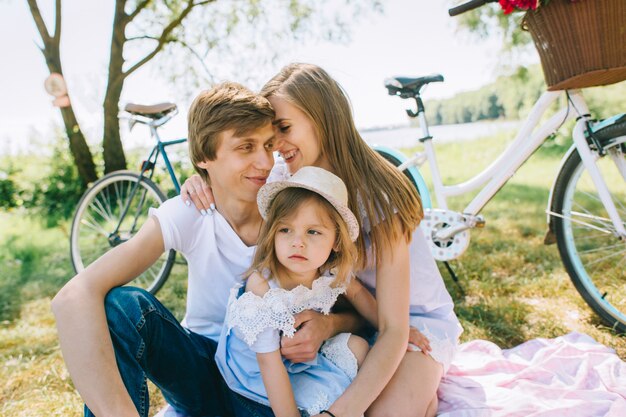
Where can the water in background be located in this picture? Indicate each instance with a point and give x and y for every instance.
(402, 137)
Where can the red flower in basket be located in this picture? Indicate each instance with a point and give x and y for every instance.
(510, 6)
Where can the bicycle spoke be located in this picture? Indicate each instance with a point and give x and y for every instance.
(588, 215)
(589, 236)
(94, 225)
(108, 207)
(601, 249)
(97, 207)
(607, 257)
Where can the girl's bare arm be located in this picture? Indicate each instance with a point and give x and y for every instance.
(277, 384)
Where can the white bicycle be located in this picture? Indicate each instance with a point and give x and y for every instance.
(586, 212)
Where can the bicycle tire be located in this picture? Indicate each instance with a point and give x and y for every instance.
(594, 260)
(396, 163)
(98, 213)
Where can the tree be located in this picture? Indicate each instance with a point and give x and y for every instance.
(489, 20)
(51, 52)
(144, 29)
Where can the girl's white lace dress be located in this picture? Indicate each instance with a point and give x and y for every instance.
(255, 324)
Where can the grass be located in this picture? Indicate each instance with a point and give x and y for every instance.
(515, 287)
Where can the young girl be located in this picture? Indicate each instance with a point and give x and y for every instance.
(303, 261)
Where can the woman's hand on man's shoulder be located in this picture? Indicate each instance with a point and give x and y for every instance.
(195, 190)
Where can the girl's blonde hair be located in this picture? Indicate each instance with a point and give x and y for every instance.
(391, 203)
(284, 205)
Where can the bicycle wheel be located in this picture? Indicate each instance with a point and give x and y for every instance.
(108, 214)
(396, 163)
(594, 257)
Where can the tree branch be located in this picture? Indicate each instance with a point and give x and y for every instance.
(57, 24)
(138, 9)
(137, 38)
(197, 55)
(39, 22)
(163, 38)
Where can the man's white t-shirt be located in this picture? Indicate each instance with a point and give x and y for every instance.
(216, 259)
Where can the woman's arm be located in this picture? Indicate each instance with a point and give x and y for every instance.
(392, 297)
(82, 325)
(277, 384)
(363, 301)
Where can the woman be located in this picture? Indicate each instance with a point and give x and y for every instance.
(314, 126)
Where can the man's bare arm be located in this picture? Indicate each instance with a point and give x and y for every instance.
(81, 321)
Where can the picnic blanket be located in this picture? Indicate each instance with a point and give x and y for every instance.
(569, 376)
(572, 375)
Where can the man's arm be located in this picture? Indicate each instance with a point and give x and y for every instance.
(82, 326)
(314, 328)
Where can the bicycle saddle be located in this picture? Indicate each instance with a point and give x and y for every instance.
(406, 87)
(154, 111)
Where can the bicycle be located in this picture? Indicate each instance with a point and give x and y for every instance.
(114, 208)
(586, 213)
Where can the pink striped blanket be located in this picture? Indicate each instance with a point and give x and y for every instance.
(569, 376)
(572, 375)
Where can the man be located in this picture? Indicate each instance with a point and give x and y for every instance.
(114, 337)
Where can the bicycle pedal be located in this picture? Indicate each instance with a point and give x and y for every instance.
(477, 222)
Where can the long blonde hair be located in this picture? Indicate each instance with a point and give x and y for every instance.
(284, 205)
(391, 203)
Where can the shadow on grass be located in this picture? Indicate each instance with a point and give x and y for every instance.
(502, 323)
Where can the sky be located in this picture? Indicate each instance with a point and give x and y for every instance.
(410, 38)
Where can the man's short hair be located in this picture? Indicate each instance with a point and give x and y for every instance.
(224, 107)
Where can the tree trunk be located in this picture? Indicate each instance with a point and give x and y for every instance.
(113, 152)
(114, 158)
(79, 149)
(51, 52)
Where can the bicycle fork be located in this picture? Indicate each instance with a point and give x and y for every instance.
(589, 161)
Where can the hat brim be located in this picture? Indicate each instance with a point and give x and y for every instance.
(267, 193)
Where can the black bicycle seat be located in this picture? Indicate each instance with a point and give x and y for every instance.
(407, 87)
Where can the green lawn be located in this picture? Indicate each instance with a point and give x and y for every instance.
(515, 287)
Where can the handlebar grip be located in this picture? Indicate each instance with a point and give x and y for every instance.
(466, 7)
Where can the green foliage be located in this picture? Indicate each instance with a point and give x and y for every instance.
(490, 20)
(8, 191)
(606, 101)
(512, 96)
(58, 193)
(12, 190)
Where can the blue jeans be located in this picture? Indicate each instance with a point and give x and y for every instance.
(150, 343)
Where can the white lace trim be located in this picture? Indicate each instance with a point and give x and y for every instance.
(337, 351)
(252, 314)
(322, 403)
(442, 350)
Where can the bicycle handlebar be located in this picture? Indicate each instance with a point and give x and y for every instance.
(466, 7)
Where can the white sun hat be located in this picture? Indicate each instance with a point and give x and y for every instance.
(320, 181)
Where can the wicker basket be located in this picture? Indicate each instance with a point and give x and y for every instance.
(581, 44)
